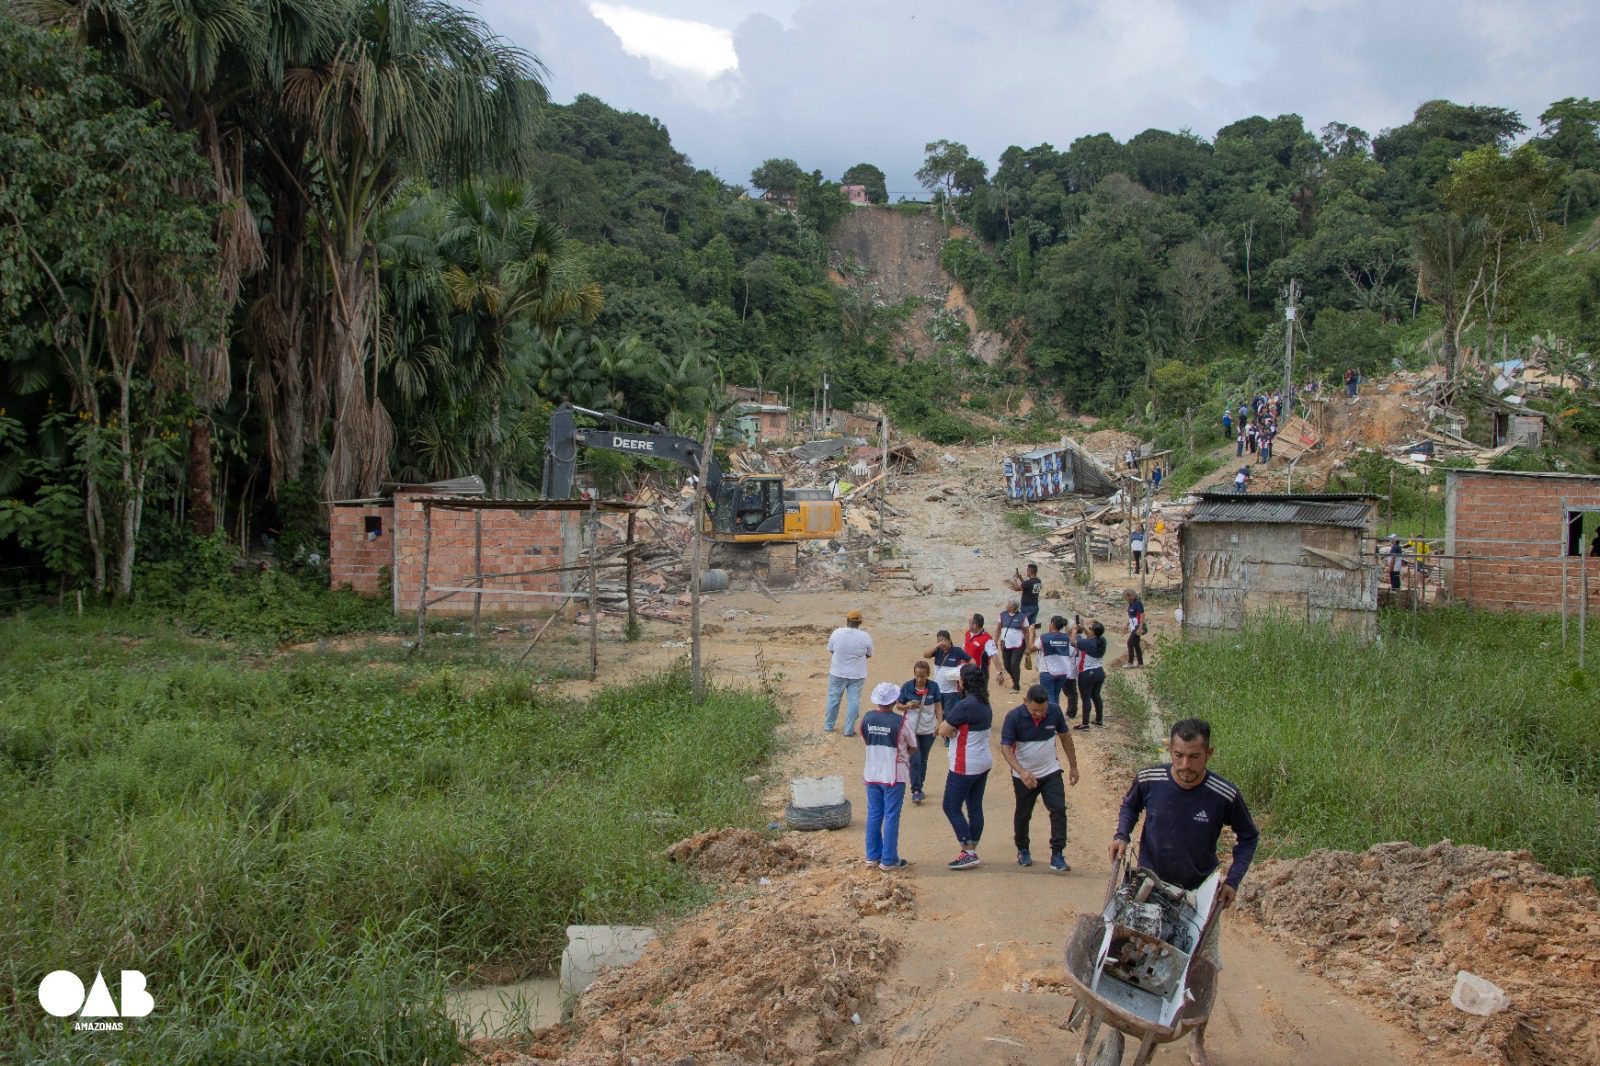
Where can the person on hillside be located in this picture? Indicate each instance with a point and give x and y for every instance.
(1266, 446)
(947, 662)
(1241, 481)
(1136, 629)
(1239, 453)
(920, 702)
(1028, 739)
(1058, 666)
(890, 742)
(1227, 422)
(1252, 437)
(1029, 588)
(979, 645)
(1013, 630)
(1136, 546)
(1393, 561)
(1155, 478)
(851, 647)
(1091, 645)
(1185, 807)
(967, 726)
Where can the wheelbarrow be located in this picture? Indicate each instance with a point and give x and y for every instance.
(1135, 969)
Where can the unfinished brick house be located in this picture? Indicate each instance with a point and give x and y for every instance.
(372, 543)
(1518, 541)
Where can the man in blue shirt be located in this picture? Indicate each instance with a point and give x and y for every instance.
(1185, 807)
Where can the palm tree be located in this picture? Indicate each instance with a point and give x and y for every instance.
(204, 64)
(416, 86)
(504, 266)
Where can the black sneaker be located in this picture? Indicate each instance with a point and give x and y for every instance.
(965, 861)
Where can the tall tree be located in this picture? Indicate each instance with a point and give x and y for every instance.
(416, 87)
(780, 179)
(870, 176)
(503, 265)
(948, 166)
(1445, 249)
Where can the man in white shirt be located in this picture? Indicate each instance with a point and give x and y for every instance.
(851, 648)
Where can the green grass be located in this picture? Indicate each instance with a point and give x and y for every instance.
(301, 850)
(1472, 727)
(1188, 473)
(1024, 522)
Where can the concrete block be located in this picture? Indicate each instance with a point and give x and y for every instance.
(592, 948)
(816, 791)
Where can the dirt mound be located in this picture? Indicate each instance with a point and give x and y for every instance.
(737, 854)
(1397, 921)
(873, 894)
(752, 981)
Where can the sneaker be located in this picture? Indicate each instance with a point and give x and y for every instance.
(1082, 728)
(965, 861)
(1023, 858)
(1058, 862)
(916, 797)
(889, 867)
(1097, 725)
(849, 732)
(872, 862)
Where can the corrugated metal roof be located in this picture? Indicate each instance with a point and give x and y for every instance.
(1347, 511)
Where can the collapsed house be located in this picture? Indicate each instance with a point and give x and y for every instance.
(1300, 556)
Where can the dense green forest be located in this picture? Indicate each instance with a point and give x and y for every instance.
(259, 256)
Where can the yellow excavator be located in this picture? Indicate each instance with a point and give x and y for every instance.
(752, 520)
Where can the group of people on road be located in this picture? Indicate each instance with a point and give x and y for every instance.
(1184, 806)
(948, 698)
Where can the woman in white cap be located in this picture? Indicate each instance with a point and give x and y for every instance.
(890, 740)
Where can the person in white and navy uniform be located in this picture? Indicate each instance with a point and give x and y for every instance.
(890, 741)
(1028, 740)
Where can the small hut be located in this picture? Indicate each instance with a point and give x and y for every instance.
(1302, 556)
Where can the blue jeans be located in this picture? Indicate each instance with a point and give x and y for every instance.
(965, 791)
(1055, 687)
(919, 760)
(883, 822)
(849, 687)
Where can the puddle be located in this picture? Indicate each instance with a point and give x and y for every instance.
(501, 1010)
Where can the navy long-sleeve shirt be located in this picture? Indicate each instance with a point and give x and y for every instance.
(1182, 826)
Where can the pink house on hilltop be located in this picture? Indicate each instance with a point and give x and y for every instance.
(856, 194)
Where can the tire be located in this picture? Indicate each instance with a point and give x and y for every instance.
(1109, 1053)
(806, 819)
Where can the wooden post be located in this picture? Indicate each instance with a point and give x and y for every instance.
(698, 512)
(633, 618)
(1562, 547)
(883, 472)
(1583, 604)
(477, 569)
(594, 596)
(422, 592)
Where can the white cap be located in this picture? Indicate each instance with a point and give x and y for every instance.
(886, 693)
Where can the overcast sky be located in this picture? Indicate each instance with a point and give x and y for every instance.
(832, 82)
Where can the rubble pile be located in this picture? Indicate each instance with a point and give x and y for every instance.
(1397, 922)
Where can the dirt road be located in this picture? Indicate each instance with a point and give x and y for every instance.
(978, 977)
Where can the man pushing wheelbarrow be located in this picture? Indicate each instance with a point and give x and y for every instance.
(1147, 966)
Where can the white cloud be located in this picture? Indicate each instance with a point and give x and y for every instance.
(694, 47)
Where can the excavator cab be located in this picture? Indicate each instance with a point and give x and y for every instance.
(748, 506)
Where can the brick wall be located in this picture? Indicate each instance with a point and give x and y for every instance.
(1507, 535)
(355, 556)
(512, 541)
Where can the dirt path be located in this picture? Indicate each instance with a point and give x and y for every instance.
(978, 975)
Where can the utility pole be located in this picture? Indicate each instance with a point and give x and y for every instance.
(827, 409)
(1292, 297)
(883, 475)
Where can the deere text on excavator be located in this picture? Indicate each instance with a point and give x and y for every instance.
(753, 521)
